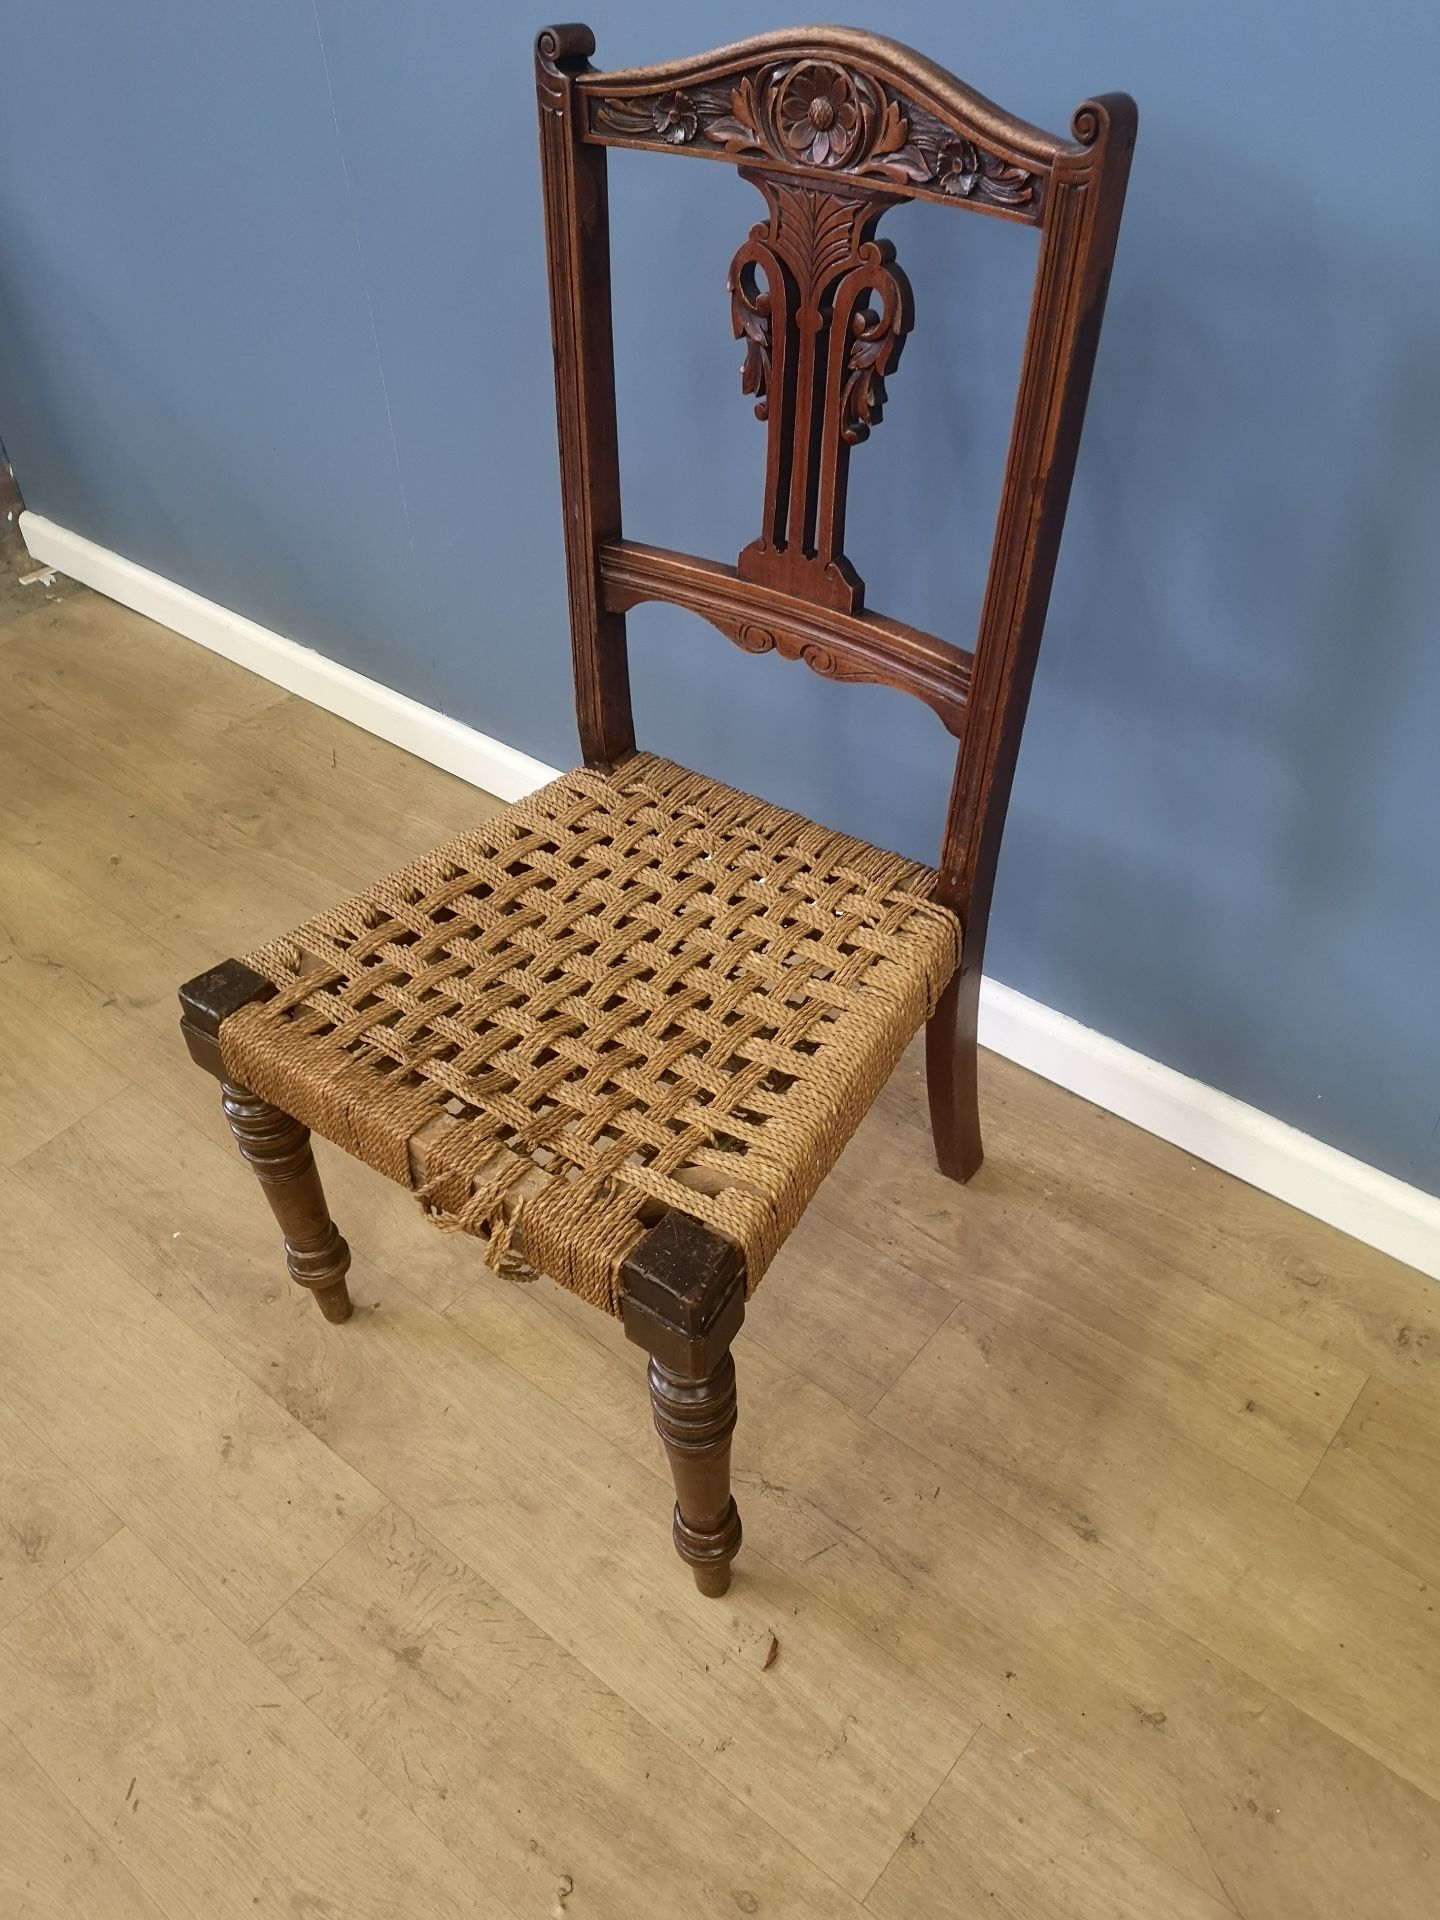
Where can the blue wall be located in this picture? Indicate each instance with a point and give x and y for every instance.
(266, 327)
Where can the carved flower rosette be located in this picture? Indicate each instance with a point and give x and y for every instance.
(826, 117)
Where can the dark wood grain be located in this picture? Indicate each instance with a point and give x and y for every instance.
(816, 353)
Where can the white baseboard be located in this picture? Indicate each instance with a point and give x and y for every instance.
(429, 735)
(1358, 1199)
(1318, 1179)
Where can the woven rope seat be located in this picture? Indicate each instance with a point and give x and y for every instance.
(632, 992)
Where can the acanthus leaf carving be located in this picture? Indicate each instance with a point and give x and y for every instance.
(750, 316)
(875, 340)
(738, 131)
(814, 235)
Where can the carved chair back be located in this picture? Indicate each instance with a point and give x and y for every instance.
(833, 127)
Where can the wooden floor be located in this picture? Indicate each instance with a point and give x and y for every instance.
(1092, 1508)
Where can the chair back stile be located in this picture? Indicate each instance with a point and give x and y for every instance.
(833, 127)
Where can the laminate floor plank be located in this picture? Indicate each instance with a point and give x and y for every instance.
(115, 848)
(531, 1770)
(1058, 1157)
(49, 1518)
(212, 1784)
(842, 1315)
(232, 1492)
(1001, 1839)
(155, 724)
(54, 1864)
(47, 1080)
(1181, 1749)
(360, 767)
(1337, 1628)
(1380, 1477)
(1137, 1329)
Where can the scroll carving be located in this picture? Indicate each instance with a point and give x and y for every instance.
(754, 638)
(822, 310)
(829, 116)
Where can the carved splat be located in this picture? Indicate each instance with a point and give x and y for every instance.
(823, 311)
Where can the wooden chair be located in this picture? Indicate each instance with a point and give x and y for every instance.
(625, 1027)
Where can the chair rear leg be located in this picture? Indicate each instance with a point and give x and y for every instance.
(683, 1301)
(951, 1077)
(277, 1147)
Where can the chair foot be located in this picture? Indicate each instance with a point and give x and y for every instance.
(951, 1076)
(335, 1302)
(684, 1301)
(714, 1581)
(278, 1150)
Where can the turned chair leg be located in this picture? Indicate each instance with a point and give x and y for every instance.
(695, 1419)
(951, 1077)
(277, 1147)
(683, 1301)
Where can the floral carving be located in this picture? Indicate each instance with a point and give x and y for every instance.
(957, 168)
(828, 117)
(672, 118)
(961, 169)
(676, 120)
(819, 115)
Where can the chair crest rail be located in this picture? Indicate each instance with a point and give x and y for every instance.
(835, 104)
